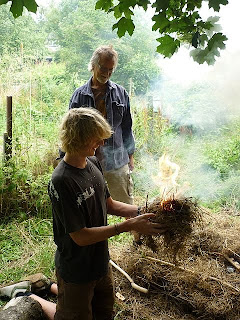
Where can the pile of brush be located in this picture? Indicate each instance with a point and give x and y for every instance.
(203, 284)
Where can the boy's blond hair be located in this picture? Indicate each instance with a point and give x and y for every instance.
(80, 126)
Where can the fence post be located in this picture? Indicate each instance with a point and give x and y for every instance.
(8, 136)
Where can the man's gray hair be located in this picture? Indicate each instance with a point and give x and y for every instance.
(106, 51)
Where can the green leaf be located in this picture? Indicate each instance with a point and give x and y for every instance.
(144, 4)
(192, 4)
(195, 39)
(3, 1)
(202, 39)
(117, 12)
(215, 4)
(161, 5)
(31, 5)
(205, 25)
(195, 15)
(104, 4)
(123, 8)
(180, 25)
(203, 55)
(17, 8)
(125, 5)
(161, 22)
(124, 25)
(168, 46)
(217, 41)
(211, 51)
(213, 20)
(128, 13)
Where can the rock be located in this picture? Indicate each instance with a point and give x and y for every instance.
(25, 309)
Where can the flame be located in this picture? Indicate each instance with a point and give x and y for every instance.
(166, 177)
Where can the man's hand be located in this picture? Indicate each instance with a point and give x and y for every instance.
(131, 162)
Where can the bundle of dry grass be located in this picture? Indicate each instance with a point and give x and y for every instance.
(200, 286)
(179, 216)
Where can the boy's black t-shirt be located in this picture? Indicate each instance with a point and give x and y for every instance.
(78, 199)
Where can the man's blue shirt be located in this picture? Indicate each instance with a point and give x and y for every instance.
(116, 150)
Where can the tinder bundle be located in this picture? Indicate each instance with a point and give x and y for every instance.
(179, 216)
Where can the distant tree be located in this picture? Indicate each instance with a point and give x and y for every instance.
(24, 35)
(138, 56)
(78, 29)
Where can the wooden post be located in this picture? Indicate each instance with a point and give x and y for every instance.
(8, 135)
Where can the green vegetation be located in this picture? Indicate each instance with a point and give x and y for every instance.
(21, 35)
(223, 154)
(177, 22)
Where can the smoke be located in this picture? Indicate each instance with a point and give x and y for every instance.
(202, 180)
(196, 178)
(199, 106)
(206, 183)
(226, 76)
(191, 95)
(199, 102)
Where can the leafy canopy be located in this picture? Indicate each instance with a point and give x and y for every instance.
(178, 22)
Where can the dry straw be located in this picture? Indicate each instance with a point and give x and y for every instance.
(199, 286)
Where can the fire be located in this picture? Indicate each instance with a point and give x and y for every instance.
(166, 177)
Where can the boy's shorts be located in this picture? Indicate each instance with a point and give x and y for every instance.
(89, 301)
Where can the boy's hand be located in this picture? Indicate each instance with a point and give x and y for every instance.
(144, 224)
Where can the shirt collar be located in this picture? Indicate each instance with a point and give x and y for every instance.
(88, 89)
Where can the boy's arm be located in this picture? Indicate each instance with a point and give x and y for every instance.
(142, 224)
(121, 209)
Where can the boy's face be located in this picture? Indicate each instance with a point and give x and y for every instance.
(91, 148)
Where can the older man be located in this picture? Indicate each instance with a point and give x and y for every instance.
(112, 100)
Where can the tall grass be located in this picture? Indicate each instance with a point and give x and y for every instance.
(40, 98)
